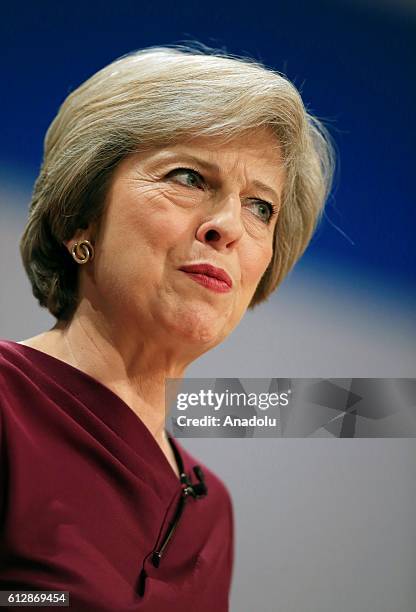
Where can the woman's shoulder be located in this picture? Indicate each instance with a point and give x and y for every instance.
(15, 384)
(21, 370)
(12, 355)
(14, 368)
(25, 355)
(10, 347)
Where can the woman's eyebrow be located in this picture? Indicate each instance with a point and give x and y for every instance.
(170, 156)
(167, 157)
(263, 187)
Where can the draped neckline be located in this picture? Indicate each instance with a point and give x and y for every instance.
(107, 405)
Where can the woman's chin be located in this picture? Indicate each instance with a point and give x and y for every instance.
(203, 325)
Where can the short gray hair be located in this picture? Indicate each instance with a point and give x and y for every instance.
(150, 98)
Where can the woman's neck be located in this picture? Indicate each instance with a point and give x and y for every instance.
(135, 371)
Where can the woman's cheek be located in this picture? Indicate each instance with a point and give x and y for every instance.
(255, 259)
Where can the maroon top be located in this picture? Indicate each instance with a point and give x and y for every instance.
(87, 495)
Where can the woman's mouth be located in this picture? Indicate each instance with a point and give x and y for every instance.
(215, 279)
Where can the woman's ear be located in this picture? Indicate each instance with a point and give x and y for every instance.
(85, 233)
(79, 235)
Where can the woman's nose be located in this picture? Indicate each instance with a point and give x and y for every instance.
(223, 228)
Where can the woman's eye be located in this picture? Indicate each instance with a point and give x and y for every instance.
(187, 177)
(262, 209)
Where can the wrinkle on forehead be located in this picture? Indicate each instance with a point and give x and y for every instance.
(263, 141)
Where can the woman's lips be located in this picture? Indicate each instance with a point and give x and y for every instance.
(209, 276)
(209, 282)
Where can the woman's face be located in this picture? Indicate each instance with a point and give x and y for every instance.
(202, 202)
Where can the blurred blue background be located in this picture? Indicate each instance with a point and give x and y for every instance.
(333, 530)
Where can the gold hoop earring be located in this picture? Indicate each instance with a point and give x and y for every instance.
(83, 251)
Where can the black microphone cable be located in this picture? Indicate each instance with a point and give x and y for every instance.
(189, 489)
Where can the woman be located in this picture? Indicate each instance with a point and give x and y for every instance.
(177, 190)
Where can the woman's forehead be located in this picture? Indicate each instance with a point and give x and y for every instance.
(257, 150)
(253, 142)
